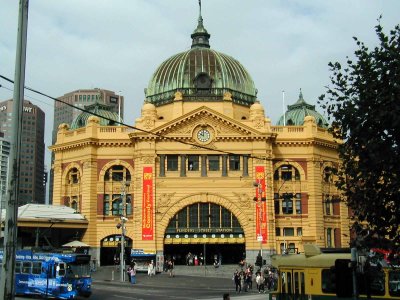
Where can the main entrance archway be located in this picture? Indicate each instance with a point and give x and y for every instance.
(205, 230)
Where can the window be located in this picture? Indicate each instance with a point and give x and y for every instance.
(61, 269)
(213, 162)
(299, 231)
(394, 282)
(128, 202)
(193, 163)
(298, 207)
(193, 216)
(172, 162)
(117, 209)
(17, 267)
(328, 281)
(26, 267)
(234, 162)
(73, 176)
(117, 173)
(287, 204)
(288, 231)
(327, 205)
(36, 267)
(287, 173)
(74, 203)
(278, 231)
(329, 237)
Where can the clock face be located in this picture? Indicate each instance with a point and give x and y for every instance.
(203, 135)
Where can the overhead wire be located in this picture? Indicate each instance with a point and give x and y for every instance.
(130, 126)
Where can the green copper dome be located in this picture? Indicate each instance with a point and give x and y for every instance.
(297, 112)
(201, 74)
(99, 109)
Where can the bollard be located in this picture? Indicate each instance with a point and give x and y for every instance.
(112, 275)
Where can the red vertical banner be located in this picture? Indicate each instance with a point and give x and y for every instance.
(261, 206)
(147, 205)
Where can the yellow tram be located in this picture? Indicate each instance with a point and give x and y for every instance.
(313, 275)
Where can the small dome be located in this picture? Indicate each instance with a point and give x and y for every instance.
(201, 74)
(297, 112)
(109, 118)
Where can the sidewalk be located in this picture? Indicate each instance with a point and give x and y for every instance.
(208, 275)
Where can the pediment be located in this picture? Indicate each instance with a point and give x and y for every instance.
(222, 126)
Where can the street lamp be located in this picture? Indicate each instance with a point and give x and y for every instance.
(259, 200)
(121, 226)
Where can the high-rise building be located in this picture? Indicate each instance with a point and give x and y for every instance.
(4, 155)
(63, 113)
(31, 189)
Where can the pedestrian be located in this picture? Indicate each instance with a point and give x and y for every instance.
(133, 275)
(226, 297)
(236, 279)
(150, 269)
(128, 271)
(171, 268)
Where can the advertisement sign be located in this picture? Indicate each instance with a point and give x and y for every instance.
(147, 205)
(261, 206)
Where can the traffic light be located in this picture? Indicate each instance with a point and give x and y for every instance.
(344, 278)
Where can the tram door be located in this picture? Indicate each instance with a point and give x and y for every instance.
(293, 286)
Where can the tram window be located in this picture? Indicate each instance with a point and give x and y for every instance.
(283, 277)
(328, 281)
(61, 269)
(394, 283)
(17, 267)
(373, 282)
(296, 283)
(36, 267)
(302, 283)
(289, 282)
(26, 267)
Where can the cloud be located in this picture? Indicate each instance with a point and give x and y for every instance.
(117, 45)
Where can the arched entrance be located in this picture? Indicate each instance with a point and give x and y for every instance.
(205, 230)
(111, 247)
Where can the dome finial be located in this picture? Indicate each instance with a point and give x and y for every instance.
(200, 35)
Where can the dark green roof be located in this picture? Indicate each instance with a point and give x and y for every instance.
(110, 118)
(298, 111)
(201, 74)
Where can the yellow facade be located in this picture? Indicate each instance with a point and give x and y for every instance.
(86, 159)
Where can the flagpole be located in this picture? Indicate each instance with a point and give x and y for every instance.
(283, 107)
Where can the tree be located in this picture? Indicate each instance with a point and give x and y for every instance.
(363, 104)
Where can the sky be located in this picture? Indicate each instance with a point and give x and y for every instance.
(118, 44)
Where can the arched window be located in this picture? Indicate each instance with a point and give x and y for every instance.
(287, 173)
(204, 215)
(117, 178)
(73, 189)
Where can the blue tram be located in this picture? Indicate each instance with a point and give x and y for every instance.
(52, 275)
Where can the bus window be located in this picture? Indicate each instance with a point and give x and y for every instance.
(17, 267)
(394, 283)
(26, 267)
(328, 282)
(36, 267)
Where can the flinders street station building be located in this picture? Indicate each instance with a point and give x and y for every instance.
(202, 170)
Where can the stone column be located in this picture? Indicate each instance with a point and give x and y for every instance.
(224, 165)
(183, 165)
(162, 165)
(203, 165)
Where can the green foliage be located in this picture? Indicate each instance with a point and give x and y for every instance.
(363, 104)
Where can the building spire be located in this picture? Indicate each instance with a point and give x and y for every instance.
(200, 36)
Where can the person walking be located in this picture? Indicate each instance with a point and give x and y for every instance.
(237, 279)
(133, 275)
(128, 271)
(150, 269)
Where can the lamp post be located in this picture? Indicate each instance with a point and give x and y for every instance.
(259, 200)
(121, 225)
